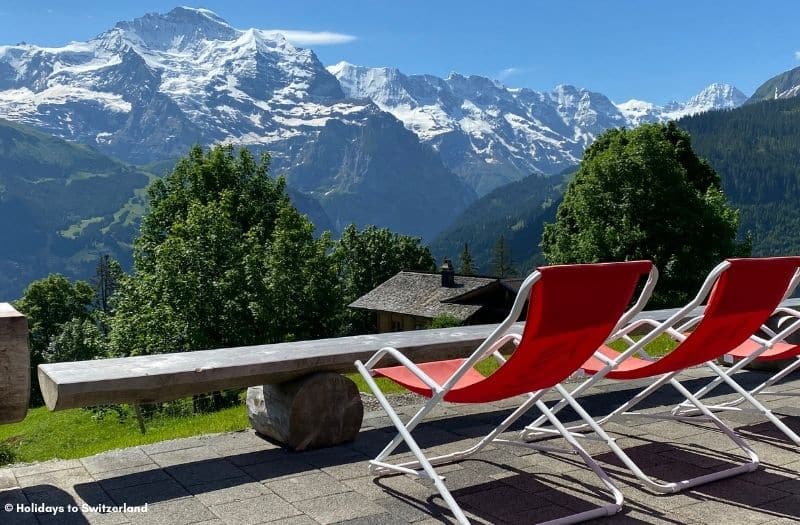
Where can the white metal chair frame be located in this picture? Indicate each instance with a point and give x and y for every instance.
(536, 431)
(423, 466)
(725, 375)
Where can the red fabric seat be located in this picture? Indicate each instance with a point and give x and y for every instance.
(776, 353)
(572, 311)
(741, 301)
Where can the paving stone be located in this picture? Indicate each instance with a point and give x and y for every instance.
(171, 445)
(46, 466)
(228, 490)
(275, 470)
(256, 510)
(253, 457)
(7, 479)
(55, 478)
(379, 487)
(307, 486)
(376, 519)
(130, 477)
(295, 520)
(738, 491)
(116, 460)
(711, 511)
(204, 471)
(183, 456)
(237, 441)
(338, 507)
(151, 493)
(501, 501)
(181, 511)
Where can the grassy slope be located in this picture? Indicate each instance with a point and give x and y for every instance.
(74, 434)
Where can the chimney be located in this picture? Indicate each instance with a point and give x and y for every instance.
(448, 274)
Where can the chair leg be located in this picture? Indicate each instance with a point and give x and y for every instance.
(605, 510)
(405, 435)
(488, 439)
(747, 396)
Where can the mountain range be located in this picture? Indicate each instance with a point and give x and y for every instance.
(491, 134)
(357, 144)
(147, 89)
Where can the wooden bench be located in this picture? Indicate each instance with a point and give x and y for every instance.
(15, 365)
(301, 401)
(301, 379)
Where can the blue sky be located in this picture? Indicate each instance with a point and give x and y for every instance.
(655, 51)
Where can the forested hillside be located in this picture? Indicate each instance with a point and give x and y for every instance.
(517, 211)
(61, 206)
(756, 151)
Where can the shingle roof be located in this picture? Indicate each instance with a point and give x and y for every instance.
(422, 294)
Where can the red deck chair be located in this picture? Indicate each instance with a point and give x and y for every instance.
(573, 309)
(742, 294)
(763, 349)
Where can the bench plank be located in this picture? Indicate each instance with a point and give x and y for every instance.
(164, 377)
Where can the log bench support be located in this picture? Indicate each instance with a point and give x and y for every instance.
(15, 365)
(317, 410)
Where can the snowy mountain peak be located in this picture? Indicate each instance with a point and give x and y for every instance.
(715, 96)
(176, 30)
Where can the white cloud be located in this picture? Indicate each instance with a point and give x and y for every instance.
(797, 55)
(509, 72)
(313, 38)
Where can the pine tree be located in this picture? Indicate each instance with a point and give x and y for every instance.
(465, 264)
(502, 263)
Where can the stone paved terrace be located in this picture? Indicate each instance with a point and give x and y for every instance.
(239, 478)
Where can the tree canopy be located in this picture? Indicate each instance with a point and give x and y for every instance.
(50, 304)
(644, 194)
(365, 259)
(223, 259)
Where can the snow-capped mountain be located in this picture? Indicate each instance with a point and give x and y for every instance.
(784, 85)
(491, 134)
(487, 133)
(169, 80)
(150, 88)
(715, 96)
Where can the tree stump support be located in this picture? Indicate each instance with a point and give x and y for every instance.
(314, 411)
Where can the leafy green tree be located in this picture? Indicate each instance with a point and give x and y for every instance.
(223, 259)
(465, 264)
(367, 258)
(48, 304)
(79, 340)
(502, 263)
(644, 194)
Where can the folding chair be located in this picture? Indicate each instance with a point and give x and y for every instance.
(572, 310)
(742, 294)
(763, 349)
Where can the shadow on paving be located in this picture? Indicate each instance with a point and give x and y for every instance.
(521, 497)
(761, 491)
(767, 432)
(40, 504)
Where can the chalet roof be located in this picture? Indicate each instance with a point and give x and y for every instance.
(422, 294)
